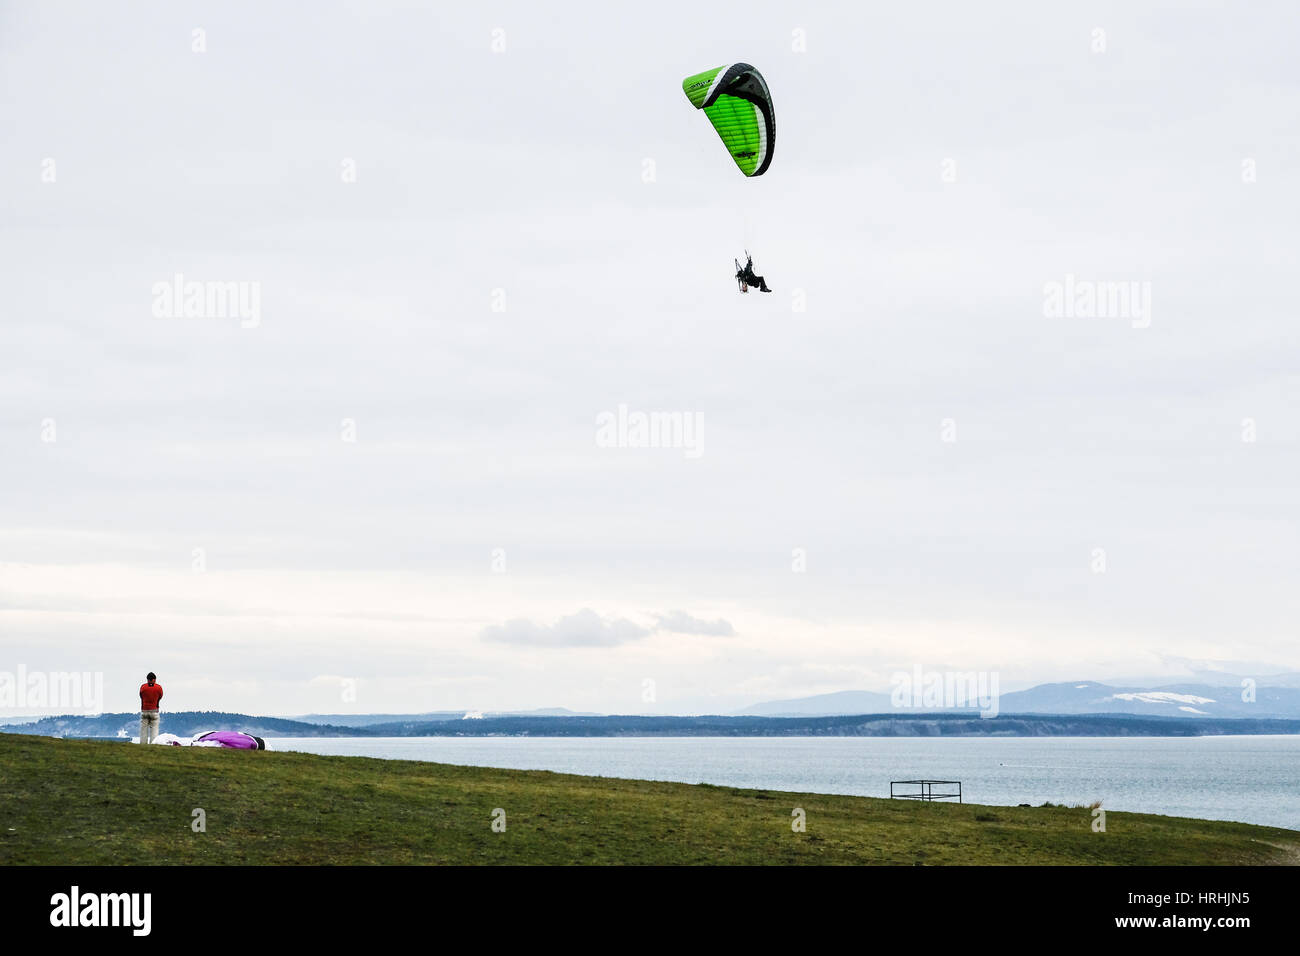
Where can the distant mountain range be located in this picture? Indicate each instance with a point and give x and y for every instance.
(877, 725)
(1074, 697)
(183, 723)
(365, 720)
(859, 725)
(824, 705)
(1187, 701)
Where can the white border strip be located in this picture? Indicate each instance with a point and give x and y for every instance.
(716, 80)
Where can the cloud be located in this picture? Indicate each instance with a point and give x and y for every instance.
(679, 622)
(586, 628)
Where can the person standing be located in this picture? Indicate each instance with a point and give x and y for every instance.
(151, 693)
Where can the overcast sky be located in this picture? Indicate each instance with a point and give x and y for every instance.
(476, 229)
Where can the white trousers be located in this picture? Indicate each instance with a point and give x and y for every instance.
(149, 721)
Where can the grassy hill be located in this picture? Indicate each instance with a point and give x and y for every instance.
(101, 802)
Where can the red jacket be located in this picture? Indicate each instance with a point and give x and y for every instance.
(149, 696)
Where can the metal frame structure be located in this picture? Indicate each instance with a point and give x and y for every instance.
(925, 790)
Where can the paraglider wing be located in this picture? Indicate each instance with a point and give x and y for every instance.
(227, 738)
(736, 101)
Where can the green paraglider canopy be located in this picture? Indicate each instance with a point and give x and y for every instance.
(736, 101)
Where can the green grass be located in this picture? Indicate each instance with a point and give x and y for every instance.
(86, 802)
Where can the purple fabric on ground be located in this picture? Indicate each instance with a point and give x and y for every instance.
(231, 738)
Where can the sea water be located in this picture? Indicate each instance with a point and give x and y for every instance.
(1252, 779)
